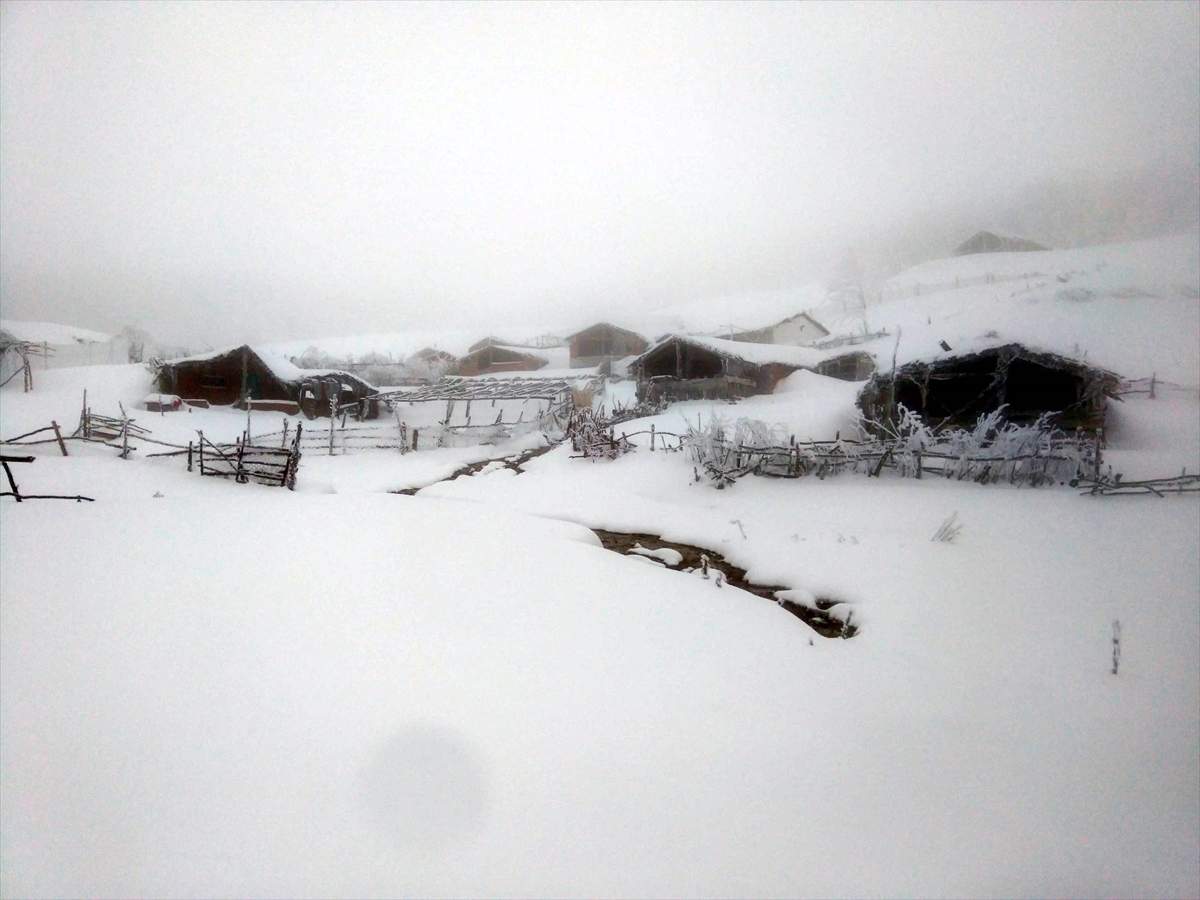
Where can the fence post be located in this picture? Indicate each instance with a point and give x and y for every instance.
(1152, 381)
(651, 438)
(201, 434)
(58, 434)
(189, 456)
(415, 430)
(240, 475)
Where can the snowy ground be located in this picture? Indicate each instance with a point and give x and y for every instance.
(220, 689)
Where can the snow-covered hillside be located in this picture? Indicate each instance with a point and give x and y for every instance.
(1131, 308)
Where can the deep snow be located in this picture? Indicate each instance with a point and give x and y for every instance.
(219, 689)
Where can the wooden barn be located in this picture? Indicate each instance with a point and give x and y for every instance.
(246, 377)
(491, 358)
(990, 242)
(956, 391)
(224, 377)
(602, 343)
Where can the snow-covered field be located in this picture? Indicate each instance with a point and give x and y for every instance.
(218, 689)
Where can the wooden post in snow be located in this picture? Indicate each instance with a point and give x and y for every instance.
(201, 434)
(240, 475)
(11, 482)
(189, 456)
(651, 438)
(58, 434)
(1152, 381)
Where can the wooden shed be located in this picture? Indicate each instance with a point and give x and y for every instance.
(245, 377)
(224, 377)
(956, 391)
(602, 343)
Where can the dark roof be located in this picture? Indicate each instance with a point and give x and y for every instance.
(990, 242)
(607, 325)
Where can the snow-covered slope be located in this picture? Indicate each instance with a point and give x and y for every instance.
(1131, 308)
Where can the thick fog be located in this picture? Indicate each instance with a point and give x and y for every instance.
(220, 172)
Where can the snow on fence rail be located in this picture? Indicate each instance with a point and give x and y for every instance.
(993, 451)
(245, 462)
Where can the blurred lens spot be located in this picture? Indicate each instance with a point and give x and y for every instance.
(425, 787)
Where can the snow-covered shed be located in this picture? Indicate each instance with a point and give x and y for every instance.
(990, 242)
(955, 391)
(603, 343)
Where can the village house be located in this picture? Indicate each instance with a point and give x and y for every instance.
(602, 344)
(799, 330)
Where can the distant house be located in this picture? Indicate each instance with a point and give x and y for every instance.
(490, 341)
(989, 242)
(602, 343)
(957, 390)
(798, 330)
(432, 356)
(490, 358)
(431, 363)
(245, 377)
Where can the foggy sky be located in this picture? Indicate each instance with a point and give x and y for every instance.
(220, 172)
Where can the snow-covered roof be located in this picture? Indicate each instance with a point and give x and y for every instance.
(758, 354)
(51, 333)
(606, 324)
(278, 366)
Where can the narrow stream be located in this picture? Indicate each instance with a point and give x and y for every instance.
(515, 462)
(818, 619)
(681, 557)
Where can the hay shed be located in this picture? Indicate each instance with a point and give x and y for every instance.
(956, 391)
